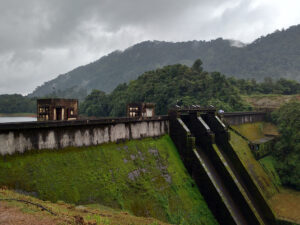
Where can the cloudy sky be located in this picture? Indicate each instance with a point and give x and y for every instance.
(40, 39)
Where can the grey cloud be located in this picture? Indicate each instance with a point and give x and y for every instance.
(40, 39)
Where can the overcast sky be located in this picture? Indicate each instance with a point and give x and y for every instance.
(40, 39)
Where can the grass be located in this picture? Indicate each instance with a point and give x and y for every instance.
(268, 163)
(145, 177)
(255, 131)
(65, 213)
(272, 101)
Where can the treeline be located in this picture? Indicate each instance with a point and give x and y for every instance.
(171, 85)
(268, 86)
(287, 148)
(17, 103)
(182, 85)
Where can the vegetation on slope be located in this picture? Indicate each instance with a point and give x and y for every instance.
(257, 130)
(275, 55)
(171, 85)
(268, 86)
(179, 84)
(285, 203)
(287, 149)
(17, 104)
(18, 212)
(268, 163)
(145, 177)
(269, 101)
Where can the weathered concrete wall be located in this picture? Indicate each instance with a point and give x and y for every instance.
(21, 137)
(237, 118)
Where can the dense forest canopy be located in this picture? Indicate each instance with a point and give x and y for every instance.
(179, 84)
(275, 55)
(287, 148)
(17, 104)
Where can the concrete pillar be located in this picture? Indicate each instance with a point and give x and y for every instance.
(62, 114)
(54, 114)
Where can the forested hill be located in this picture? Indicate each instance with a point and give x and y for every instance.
(185, 86)
(275, 55)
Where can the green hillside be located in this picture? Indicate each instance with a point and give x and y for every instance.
(184, 86)
(275, 55)
(145, 177)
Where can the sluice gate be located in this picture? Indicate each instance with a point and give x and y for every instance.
(203, 143)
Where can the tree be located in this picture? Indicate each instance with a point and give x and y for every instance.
(287, 148)
(197, 66)
(96, 104)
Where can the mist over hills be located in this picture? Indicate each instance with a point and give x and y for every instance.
(275, 55)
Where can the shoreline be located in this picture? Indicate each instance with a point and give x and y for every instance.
(32, 115)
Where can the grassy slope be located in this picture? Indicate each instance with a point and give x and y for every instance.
(145, 177)
(272, 101)
(14, 212)
(268, 165)
(286, 203)
(254, 131)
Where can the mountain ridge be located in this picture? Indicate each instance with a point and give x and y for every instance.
(274, 55)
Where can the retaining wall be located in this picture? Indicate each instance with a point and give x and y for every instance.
(236, 118)
(20, 137)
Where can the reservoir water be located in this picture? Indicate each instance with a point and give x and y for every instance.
(16, 119)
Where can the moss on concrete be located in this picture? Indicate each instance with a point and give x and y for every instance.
(253, 166)
(255, 131)
(145, 177)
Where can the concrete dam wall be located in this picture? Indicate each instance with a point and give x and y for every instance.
(21, 137)
(236, 118)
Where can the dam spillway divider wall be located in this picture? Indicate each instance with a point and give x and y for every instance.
(222, 166)
(185, 143)
(222, 140)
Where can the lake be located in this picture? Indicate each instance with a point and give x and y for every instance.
(16, 119)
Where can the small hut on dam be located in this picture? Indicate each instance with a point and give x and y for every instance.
(57, 109)
(141, 110)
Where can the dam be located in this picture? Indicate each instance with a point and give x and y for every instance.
(201, 139)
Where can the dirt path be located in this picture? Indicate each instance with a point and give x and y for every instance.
(13, 216)
(287, 205)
